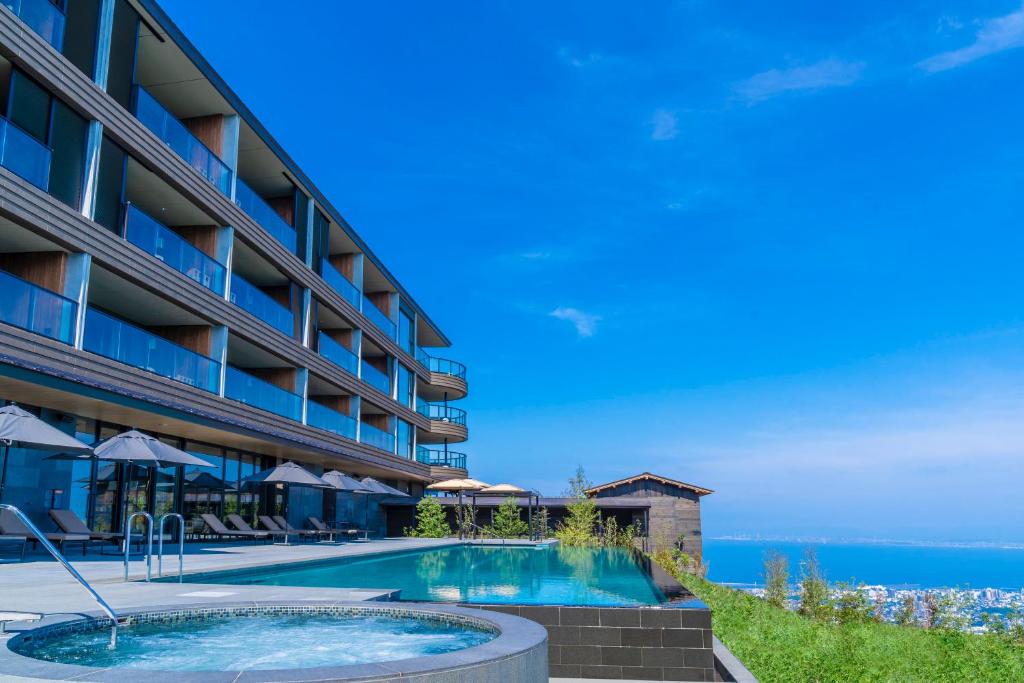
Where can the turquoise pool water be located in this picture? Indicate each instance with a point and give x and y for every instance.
(551, 575)
(259, 642)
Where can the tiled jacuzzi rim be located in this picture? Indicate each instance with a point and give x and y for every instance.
(515, 636)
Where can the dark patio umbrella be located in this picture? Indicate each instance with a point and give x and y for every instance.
(287, 474)
(378, 489)
(22, 429)
(343, 482)
(141, 449)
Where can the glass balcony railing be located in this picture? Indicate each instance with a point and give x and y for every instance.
(444, 366)
(441, 412)
(377, 438)
(249, 297)
(260, 211)
(375, 378)
(153, 237)
(439, 458)
(108, 336)
(43, 17)
(340, 283)
(23, 155)
(178, 137)
(35, 309)
(243, 387)
(322, 417)
(380, 319)
(338, 354)
(422, 357)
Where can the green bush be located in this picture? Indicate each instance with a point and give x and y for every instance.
(779, 646)
(508, 523)
(431, 520)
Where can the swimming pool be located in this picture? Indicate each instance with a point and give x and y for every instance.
(524, 575)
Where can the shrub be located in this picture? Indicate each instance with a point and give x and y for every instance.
(814, 601)
(507, 521)
(431, 520)
(776, 578)
(578, 527)
(851, 605)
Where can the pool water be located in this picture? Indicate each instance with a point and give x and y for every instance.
(241, 643)
(545, 575)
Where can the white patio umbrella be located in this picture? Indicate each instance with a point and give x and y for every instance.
(459, 486)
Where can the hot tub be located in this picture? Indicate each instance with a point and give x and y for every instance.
(294, 642)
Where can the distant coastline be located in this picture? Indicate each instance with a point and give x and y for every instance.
(824, 540)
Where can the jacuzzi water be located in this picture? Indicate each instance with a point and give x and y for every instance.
(239, 643)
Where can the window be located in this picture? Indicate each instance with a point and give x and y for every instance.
(406, 331)
(405, 439)
(406, 384)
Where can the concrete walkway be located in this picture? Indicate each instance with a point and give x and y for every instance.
(41, 585)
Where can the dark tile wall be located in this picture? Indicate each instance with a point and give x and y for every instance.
(671, 643)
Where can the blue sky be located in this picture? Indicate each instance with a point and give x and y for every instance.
(774, 249)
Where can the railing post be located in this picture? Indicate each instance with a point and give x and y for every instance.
(149, 543)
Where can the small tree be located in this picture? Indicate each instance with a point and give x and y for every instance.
(541, 524)
(813, 589)
(431, 520)
(906, 613)
(465, 519)
(878, 613)
(578, 484)
(577, 529)
(949, 611)
(776, 578)
(507, 521)
(615, 536)
(850, 605)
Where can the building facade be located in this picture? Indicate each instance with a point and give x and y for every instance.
(166, 266)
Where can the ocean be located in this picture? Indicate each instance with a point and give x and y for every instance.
(912, 566)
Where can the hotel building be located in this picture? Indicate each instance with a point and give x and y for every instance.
(166, 266)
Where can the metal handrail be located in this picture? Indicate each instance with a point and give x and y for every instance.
(149, 543)
(41, 537)
(181, 545)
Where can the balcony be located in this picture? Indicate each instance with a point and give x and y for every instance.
(377, 438)
(108, 336)
(43, 17)
(35, 309)
(447, 378)
(437, 458)
(153, 237)
(322, 417)
(250, 298)
(23, 155)
(260, 211)
(338, 354)
(339, 283)
(447, 424)
(243, 387)
(375, 378)
(173, 132)
(380, 319)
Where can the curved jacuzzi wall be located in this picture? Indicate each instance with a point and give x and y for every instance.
(518, 653)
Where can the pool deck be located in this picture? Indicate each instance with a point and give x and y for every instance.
(41, 585)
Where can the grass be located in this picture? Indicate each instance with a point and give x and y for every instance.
(779, 646)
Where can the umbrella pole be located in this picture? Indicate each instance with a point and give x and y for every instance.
(3, 476)
(286, 525)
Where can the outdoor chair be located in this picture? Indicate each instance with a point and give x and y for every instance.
(70, 523)
(10, 525)
(240, 524)
(273, 526)
(14, 538)
(319, 525)
(311, 533)
(217, 528)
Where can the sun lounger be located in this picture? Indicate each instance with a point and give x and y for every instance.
(217, 528)
(273, 525)
(70, 523)
(11, 525)
(311, 533)
(319, 525)
(240, 524)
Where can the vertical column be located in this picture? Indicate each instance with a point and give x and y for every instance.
(90, 183)
(76, 288)
(306, 315)
(357, 348)
(357, 410)
(229, 149)
(357, 274)
(219, 352)
(302, 388)
(307, 246)
(225, 253)
(104, 33)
